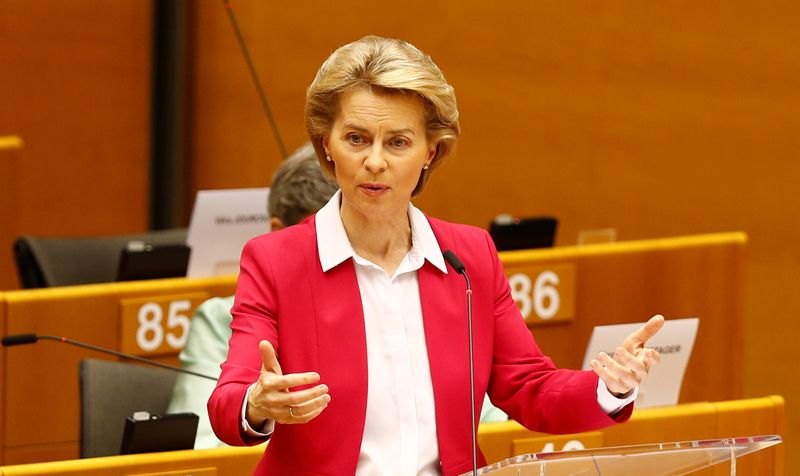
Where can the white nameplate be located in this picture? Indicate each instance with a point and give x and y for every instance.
(674, 341)
(222, 222)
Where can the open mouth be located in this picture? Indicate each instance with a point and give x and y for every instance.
(374, 187)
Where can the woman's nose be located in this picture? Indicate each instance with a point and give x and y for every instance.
(374, 162)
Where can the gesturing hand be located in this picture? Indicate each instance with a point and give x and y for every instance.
(631, 362)
(272, 399)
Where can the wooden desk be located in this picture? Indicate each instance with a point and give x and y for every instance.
(212, 462)
(498, 441)
(611, 283)
(694, 276)
(42, 379)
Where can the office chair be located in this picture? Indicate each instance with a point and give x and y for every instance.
(47, 262)
(509, 233)
(109, 393)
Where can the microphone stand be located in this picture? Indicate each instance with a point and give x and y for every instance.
(459, 267)
(471, 376)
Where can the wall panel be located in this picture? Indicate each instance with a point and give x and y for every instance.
(75, 84)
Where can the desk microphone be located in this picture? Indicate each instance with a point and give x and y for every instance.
(21, 339)
(459, 267)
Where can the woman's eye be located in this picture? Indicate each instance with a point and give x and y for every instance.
(399, 142)
(355, 139)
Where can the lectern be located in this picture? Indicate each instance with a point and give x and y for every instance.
(660, 459)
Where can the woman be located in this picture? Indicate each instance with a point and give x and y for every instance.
(349, 342)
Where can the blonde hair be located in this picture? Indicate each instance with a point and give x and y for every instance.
(391, 66)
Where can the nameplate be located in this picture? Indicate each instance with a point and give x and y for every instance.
(182, 472)
(551, 443)
(674, 342)
(544, 293)
(222, 222)
(157, 325)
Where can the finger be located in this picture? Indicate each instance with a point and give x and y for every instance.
(651, 357)
(622, 375)
(272, 403)
(644, 333)
(309, 410)
(613, 384)
(635, 364)
(300, 397)
(269, 361)
(288, 381)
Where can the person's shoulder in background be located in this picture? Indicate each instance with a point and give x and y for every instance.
(206, 348)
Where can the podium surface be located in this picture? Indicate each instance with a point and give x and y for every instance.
(658, 459)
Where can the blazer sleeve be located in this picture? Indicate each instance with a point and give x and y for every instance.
(254, 313)
(527, 385)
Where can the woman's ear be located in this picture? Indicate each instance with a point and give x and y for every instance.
(275, 223)
(432, 152)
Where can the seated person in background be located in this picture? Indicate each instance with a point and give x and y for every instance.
(298, 190)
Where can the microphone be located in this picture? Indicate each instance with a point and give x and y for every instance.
(459, 267)
(22, 339)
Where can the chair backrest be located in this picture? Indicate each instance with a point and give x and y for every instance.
(47, 262)
(509, 233)
(109, 393)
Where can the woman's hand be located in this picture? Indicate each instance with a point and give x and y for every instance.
(631, 362)
(271, 399)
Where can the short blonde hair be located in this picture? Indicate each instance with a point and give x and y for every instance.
(391, 66)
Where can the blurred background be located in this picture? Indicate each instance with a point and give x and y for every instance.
(655, 119)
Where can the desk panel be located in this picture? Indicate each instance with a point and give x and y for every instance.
(42, 379)
(498, 440)
(623, 282)
(218, 461)
(2, 372)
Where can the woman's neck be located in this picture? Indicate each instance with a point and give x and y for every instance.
(383, 240)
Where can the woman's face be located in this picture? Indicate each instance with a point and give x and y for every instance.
(379, 146)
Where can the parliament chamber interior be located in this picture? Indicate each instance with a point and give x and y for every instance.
(656, 143)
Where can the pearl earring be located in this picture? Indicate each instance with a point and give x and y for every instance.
(426, 167)
(328, 158)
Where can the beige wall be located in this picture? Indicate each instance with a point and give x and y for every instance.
(656, 119)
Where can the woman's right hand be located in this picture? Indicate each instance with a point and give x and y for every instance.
(272, 399)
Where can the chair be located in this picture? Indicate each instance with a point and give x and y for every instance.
(509, 233)
(47, 262)
(109, 393)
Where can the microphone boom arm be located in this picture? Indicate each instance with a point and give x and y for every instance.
(32, 338)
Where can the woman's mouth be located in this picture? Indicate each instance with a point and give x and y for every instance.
(373, 189)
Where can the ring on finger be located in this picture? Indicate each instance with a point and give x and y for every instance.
(291, 411)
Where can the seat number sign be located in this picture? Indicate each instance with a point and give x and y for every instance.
(157, 325)
(543, 293)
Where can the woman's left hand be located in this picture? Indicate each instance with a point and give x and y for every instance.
(631, 362)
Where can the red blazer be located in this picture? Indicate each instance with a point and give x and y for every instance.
(316, 323)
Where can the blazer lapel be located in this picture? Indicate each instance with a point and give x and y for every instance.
(444, 312)
(341, 342)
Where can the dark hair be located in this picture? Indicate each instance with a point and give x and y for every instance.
(298, 187)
